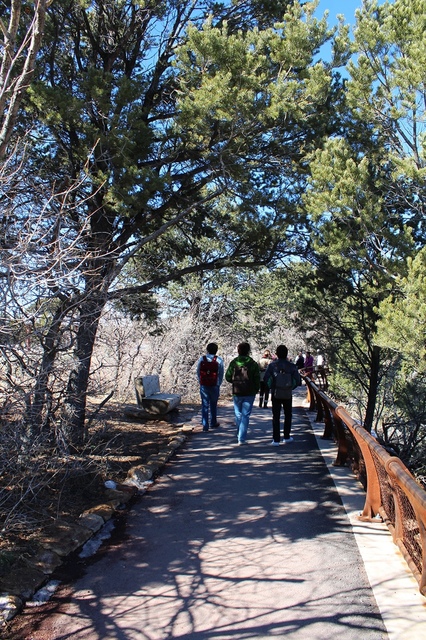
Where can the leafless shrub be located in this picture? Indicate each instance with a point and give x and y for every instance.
(36, 478)
(126, 349)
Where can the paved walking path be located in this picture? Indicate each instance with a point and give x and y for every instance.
(232, 542)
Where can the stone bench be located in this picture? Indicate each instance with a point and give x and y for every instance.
(150, 398)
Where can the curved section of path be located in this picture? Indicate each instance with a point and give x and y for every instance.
(232, 542)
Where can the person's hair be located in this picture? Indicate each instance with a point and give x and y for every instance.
(282, 351)
(212, 348)
(243, 349)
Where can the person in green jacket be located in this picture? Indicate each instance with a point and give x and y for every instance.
(243, 372)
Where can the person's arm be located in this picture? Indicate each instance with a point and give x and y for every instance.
(256, 375)
(220, 371)
(296, 377)
(198, 370)
(268, 375)
(230, 371)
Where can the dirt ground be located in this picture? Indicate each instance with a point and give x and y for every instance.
(54, 486)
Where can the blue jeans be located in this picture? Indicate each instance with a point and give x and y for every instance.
(209, 398)
(242, 408)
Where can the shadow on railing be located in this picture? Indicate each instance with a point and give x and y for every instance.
(391, 491)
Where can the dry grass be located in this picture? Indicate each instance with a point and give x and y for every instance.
(39, 483)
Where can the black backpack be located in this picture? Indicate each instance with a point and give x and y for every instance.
(241, 384)
(283, 385)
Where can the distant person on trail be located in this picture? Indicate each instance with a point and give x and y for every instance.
(210, 370)
(300, 361)
(264, 389)
(309, 364)
(282, 377)
(243, 372)
(319, 359)
(320, 371)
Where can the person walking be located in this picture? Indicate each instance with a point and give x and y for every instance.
(320, 372)
(243, 372)
(264, 389)
(309, 364)
(319, 359)
(210, 370)
(282, 377)
(300, 361)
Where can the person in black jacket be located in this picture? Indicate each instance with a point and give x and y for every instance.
(278, 370)
(300, 362)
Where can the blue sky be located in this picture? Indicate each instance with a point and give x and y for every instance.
(346, 7)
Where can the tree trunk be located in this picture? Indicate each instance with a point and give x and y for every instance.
(74, 408)
(372, 389)
(38, 416)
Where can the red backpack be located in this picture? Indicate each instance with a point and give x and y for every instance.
(209, 371)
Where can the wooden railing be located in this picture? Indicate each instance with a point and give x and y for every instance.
(392, 493)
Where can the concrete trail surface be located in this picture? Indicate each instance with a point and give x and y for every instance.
(232, 542)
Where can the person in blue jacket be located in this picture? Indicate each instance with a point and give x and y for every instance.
(210, 370)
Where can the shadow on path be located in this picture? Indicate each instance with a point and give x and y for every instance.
(232, 541)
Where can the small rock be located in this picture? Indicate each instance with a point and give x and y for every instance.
(23, 580)
(64, 538)
(45, 560)
(140, 475)
(187, 428)
(105, 511)
(91, 521)
(10, 606)
(44, 594)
